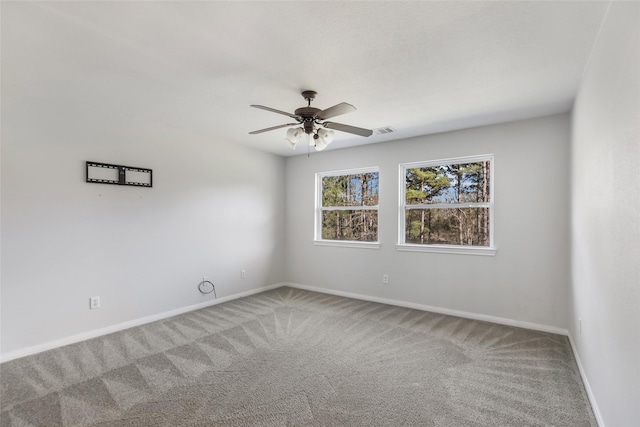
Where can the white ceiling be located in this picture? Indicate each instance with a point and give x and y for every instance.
(419, 67)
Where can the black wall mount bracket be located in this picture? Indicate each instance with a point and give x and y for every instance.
(106, 173)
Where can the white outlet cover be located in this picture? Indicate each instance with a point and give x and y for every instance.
(94, 302)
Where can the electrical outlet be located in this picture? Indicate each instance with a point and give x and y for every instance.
(385, 279)
(243, 274)
(94, 302)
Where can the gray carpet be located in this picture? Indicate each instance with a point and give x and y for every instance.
(289, 357)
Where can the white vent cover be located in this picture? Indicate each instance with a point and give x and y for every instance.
(384, 130)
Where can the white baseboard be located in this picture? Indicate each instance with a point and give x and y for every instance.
(126, 325)
(137, 322)
(587, 387)
(423, 307)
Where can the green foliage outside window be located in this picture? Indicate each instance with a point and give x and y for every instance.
(350, 207)
(434, 199)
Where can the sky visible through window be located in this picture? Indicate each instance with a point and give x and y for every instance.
(350, 190)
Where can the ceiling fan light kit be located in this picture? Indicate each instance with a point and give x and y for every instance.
(323, 137)
(313, 123)
(294, 135)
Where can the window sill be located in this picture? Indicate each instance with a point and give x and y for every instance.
(448, 249)
(347, 244)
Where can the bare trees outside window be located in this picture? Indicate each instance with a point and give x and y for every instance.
(348, 205)
(444, 206)
(448, 202)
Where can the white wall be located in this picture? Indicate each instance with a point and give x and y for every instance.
(605, 219)
(526, 281)
(214, 209)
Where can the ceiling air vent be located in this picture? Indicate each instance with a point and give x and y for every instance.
(384, 130)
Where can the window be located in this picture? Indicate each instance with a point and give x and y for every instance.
(447, 206)
(347, 208)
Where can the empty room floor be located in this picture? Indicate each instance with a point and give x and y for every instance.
(295, 357)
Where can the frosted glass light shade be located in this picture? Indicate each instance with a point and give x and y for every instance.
(325, 137)
(320, 145)
(294, 135)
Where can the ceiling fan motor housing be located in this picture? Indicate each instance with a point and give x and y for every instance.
(308, 115)
(308, 126)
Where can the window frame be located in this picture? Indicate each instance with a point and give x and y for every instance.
(451, 249)
(319, 209)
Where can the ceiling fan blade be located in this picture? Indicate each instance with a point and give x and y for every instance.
(272, 128)
(273, 110)
(347, 128)
(336, 110)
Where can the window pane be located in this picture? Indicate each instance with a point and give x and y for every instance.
(452, 226)
(454, 183)
(360, 225)
(350, 190)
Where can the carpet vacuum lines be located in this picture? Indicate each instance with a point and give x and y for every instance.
(292, 357)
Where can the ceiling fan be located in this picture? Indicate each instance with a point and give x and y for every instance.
(313, 122)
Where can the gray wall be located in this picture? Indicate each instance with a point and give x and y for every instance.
(214, 209)
(527, 280)
(605, 219)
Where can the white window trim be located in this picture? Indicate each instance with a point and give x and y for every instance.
(448, 249)
(317, 235)
(347, 244)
